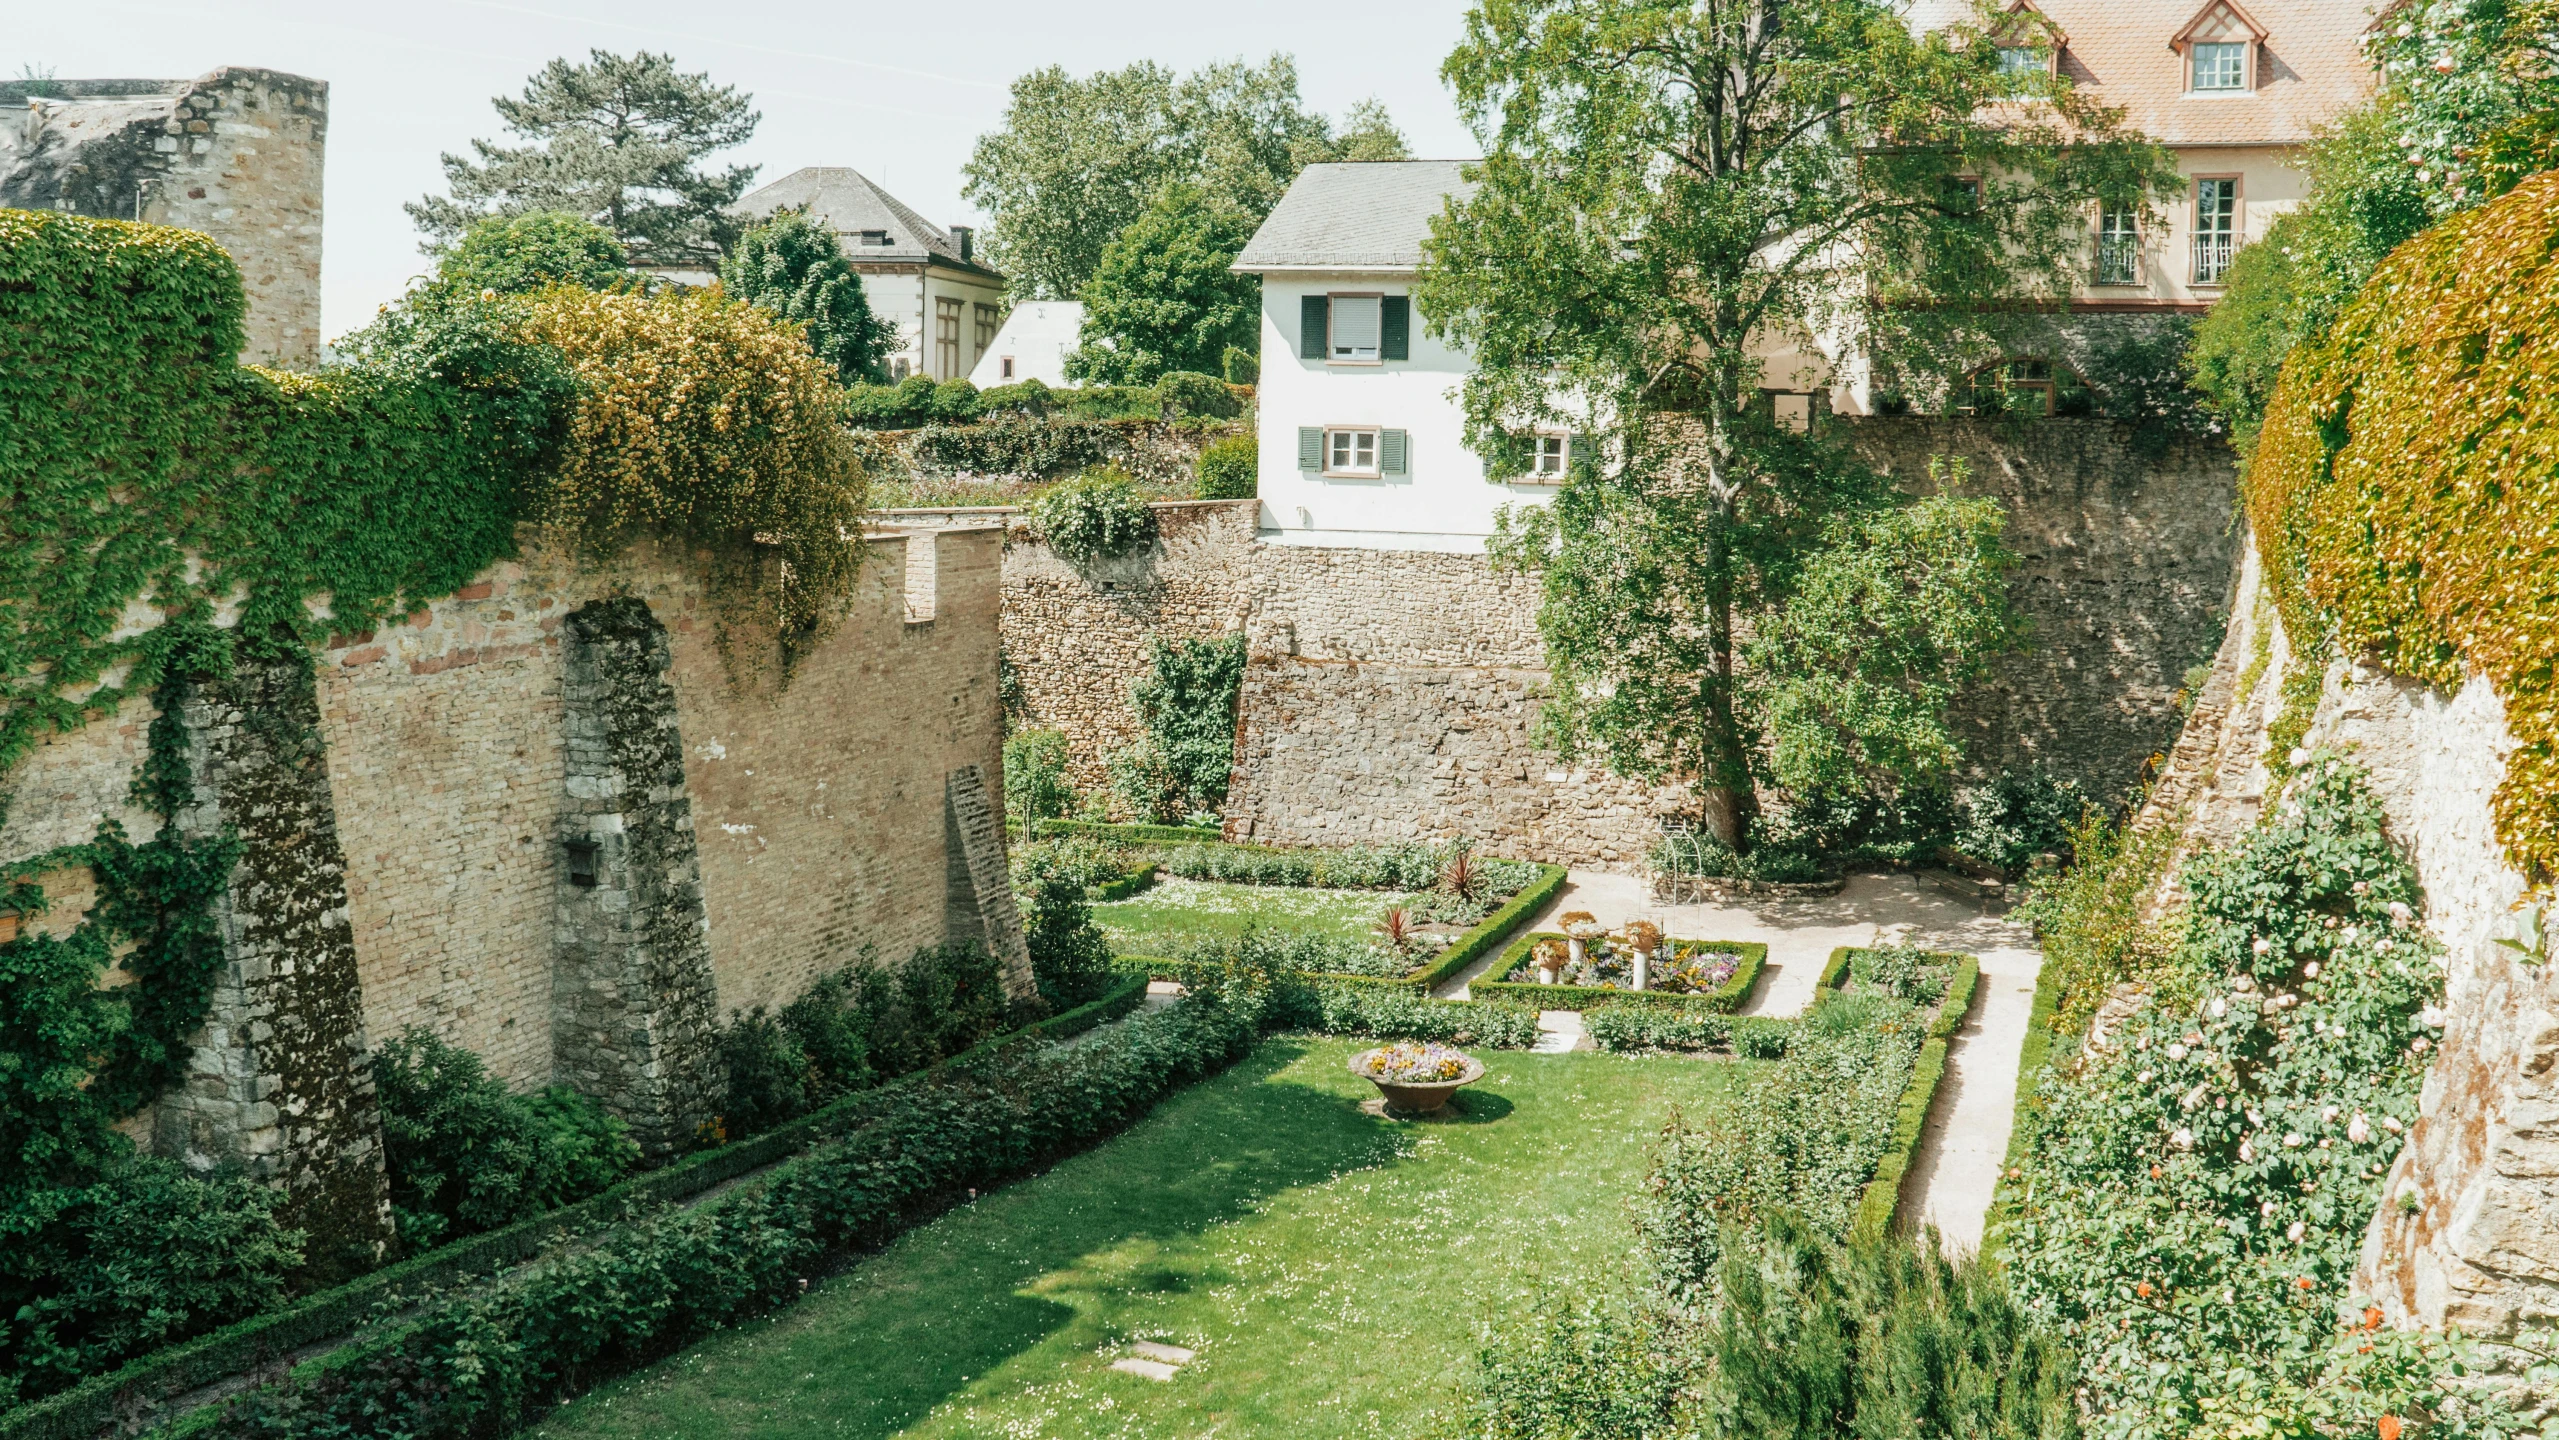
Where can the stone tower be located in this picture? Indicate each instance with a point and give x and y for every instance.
(235, 154)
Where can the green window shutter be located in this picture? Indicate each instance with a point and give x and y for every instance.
(1314, 325)
(1579, 453)
(1310, 448)
(1395, 328)
(1390, 452)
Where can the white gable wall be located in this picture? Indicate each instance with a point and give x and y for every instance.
(1442, 502)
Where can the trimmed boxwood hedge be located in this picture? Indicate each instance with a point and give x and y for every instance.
(1130, 834)
(1464, 951)
(1881, 1202)
(81, 1412)
(1723, 1000)
(1140, 877)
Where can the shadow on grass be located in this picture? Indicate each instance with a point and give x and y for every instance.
(874, 1350)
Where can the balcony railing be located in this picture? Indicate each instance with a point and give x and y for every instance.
(2118, 260)
(2212, 258)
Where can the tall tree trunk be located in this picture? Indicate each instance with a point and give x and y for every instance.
(1724, 788)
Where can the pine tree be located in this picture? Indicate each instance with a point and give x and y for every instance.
(616, 140)
(792, 266)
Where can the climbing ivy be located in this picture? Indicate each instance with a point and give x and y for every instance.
(2405, 494)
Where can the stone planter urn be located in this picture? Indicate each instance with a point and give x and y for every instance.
(1415, 1097)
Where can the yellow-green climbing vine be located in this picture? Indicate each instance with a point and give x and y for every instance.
(2405, 489)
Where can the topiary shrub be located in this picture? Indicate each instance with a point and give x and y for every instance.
(1099, 515)
(955, 401)
(1230, 469)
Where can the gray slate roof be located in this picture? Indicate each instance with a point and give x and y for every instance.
(1355, 215)
(846, 199)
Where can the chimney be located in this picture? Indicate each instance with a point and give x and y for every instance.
(967, 237)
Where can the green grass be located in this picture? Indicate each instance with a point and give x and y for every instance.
(1333, 1269)
(1159, 920)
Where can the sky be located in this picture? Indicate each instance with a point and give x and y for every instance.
(898, 91)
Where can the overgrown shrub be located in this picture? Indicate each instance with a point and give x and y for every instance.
(2088, 915)
(1293, 952)
(1230, 469)
(854, 1027)
(2196, 1194)
(140, 1255)
(465, 1154)
(1035, 783)
(1029, 399)
(1186, 701)
(1099, 515)
(768, 1075)
(1698, 853)
(1189, 395)
(710, 423)
(522, 254)
(1642, 1027)
(904, 405)
(1087, 860)
(2020, 815)
(1029, 449)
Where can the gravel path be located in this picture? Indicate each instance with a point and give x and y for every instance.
(1967, 1138)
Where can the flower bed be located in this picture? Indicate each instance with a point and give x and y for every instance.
(1622, 1028)
(1410, 1062)
(1462, 952)
(1748, 958)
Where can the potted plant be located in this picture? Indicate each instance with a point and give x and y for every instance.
(1550, 956)
(1580, 927)
(1643, 937)
(1417, 1078)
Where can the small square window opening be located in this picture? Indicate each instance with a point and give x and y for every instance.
(1350, 452)
(1553, 457)
(1356, 326)
(2221, 67)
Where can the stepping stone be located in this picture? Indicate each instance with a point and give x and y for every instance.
(1151, 1369)
(1558, 1032)
(1169, 1354)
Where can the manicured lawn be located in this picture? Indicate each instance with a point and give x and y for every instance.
(1333, 1269)
(1158, 920)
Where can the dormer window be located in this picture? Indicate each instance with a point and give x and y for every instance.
(2219, 49)
(2029, 42)
(875, 237)
(2025, 60)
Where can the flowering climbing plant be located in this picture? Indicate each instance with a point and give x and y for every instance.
(2197, 1187)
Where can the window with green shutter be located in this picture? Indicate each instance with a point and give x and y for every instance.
(1395, 328)
(1390, 452)
(1310, 447)
(1314, 326)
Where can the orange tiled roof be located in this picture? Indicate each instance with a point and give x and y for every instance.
(2309, 69)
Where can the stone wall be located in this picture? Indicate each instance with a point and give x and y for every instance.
(409, 857)
(236, 154)
(1390, 693)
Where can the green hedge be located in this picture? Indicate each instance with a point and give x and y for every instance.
(1467, 948)
(1138, 879)
(81, 1412)
(1723, 1000)
(480, 1361)
(1129, 834)
(1882, 1200)
(1834, 973)
(1619, 1028)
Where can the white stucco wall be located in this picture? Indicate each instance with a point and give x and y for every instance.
(1037, 337)
(1442, 502)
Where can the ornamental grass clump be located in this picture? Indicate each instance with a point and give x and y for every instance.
(710, 425)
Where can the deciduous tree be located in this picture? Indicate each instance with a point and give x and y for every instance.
(1163, 297)
(1668, 186)
(792, 266)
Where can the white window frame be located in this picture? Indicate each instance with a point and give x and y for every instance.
(2218, 262)
(1332, 312)
(2118, 240)
(2026, 59)
(2195, 66)
(1352, 470)
(1549, 445)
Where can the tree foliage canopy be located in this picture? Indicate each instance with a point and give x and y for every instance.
(1076, 161)
(618, 140)
(792, 266)
(519, 254)
(1669, 186)
(1163, 299)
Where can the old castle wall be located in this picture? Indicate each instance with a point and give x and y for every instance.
(236, 154)
(410, 862)
(1392, 693)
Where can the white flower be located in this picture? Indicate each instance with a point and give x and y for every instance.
(2261, 945)
(2432, 1017)
(2267, 1209)
(2294, 1231)
(2184, 1139)
(2247, 1153)
(2194, 1097)
(2292, 1140)
(2391, 1124)
(2243, 983)
(2143, 1077)
(2312, 969)
(2254, 1118)
(2420, 1046)
(2348, 934)
(2176, 1052)
(2362, 885)
(2328, 1115)
(2399, 911)
(2298, 758)
(2325, 1142)
(2220, 1007)
(2383, 946)
(2357, 1129)
(2445, 64)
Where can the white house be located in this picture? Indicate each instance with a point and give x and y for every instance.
(1032, 344)
(923, 279)
(1362, 439)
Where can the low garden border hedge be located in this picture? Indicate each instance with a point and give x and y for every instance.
(1464, 951)
(93, 1405)
(1881, 1203)
(1140, 879)
(2033, 1059)
(1723, 1000)
(1130, 834)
